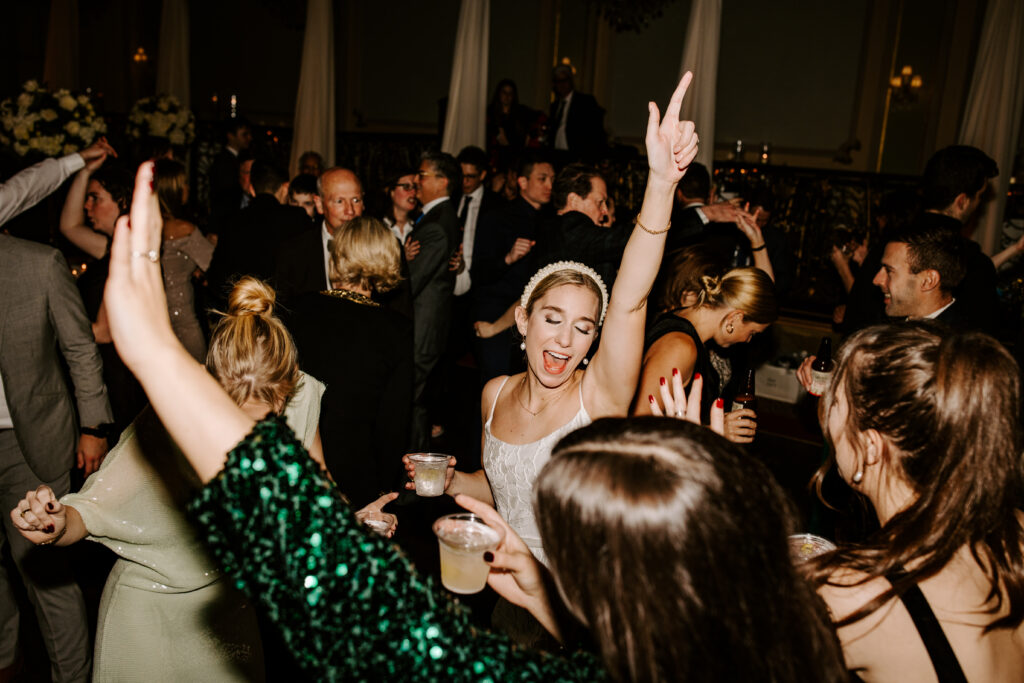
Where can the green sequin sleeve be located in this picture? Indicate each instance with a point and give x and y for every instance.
(349, 605)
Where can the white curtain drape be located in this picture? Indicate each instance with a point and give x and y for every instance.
(465, 123)
(60, 67)
(314, 105)
(172, 67)
(995, 104)
(700, 55)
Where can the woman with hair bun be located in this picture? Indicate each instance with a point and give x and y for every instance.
(164, 607)
(926, 425)
(728, 308)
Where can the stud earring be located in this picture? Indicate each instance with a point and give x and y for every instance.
(586, 361)
(858, 476)
(522, 346)
(729, 329)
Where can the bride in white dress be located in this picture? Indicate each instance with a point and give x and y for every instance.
(560, 316)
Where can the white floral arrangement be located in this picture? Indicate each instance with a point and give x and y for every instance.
(40, 122)
(162, 116)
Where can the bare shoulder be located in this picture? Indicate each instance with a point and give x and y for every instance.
(847, 591)
(490, 394)
(672, 344)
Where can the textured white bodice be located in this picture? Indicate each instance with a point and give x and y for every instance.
(512, 468)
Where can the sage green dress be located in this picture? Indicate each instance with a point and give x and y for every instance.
(349, 605)
(166, 614)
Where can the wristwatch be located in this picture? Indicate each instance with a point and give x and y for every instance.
(101, 431)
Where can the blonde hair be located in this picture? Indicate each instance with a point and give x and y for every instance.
(564, 276)
(366, 254)
(748, 290)
(251, 353)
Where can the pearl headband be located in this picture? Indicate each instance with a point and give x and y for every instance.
(566, 265)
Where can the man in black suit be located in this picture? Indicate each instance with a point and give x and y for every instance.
(954, 185)
(581, 231)
(225, 188)
(576, 123)
(251, 240)
(302, 263)
(921, 268)
(502, 264)
(431, 280)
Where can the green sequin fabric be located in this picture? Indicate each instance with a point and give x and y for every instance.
(349, 605)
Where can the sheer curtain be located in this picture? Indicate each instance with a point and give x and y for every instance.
(700, 55)
(465, 123)
(314, 105)
(172, 67)
(60, 68)
(995, 104)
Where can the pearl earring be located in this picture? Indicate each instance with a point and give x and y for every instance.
(522, 346)
(858, 476)
(586, 361)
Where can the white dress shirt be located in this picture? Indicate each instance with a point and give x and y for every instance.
(462, 281)
(562, 142)
(327, 252)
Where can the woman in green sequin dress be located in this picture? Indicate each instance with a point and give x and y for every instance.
(350, 605)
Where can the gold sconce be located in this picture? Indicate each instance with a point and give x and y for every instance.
(140, 56)
(905, 85)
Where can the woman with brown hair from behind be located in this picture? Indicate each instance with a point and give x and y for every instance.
(926, 425)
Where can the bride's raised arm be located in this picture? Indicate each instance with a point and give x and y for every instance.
(611, 380)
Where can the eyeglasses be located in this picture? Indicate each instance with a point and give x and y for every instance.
(408, 187)
(428, 174)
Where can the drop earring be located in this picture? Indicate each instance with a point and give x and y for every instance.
(858, 476)
(522, 346)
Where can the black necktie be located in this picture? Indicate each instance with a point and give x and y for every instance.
(464, 211)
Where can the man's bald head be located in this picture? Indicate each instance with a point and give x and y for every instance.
(339, 197)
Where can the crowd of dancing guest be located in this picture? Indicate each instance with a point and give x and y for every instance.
(650, 548)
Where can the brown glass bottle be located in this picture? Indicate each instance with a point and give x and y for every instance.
(746, 397)
(821, 368)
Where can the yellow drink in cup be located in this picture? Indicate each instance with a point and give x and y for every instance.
(463, 538)
(430, 472)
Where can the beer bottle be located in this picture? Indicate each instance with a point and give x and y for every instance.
(822, 367)
(746, 397)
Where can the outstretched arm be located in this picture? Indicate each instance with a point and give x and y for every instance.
(671, 145)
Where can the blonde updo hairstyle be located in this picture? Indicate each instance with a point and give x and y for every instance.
(747, 290)
(685, 273)
(367, 255)
(251, 352)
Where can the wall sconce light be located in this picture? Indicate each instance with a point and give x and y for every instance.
(140, 56)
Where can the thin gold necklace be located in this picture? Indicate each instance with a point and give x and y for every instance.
(349, 295)
(519, 398)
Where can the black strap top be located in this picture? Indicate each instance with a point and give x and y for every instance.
(669, 322)
(947, 668)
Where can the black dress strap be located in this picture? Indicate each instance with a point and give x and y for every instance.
(947, 667)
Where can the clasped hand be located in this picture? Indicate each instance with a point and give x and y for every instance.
(39, 516)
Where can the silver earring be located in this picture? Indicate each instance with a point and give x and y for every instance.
(858, 476)
(522, 346)
(586, 361)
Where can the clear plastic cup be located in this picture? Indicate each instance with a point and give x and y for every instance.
(377, 522)
(430, 472)
(803, 547)
(463, 539)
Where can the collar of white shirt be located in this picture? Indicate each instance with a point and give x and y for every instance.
(935, 314)
(431, 204)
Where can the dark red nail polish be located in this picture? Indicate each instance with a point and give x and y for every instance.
(662, 381)
(49, 528)
(719, 403)
(675, 372)
(488, 556)
(650, 397)
(696, 375)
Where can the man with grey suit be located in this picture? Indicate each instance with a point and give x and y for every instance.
(41, 320)
(431, 281)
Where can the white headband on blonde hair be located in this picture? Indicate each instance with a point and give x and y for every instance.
(566, 265)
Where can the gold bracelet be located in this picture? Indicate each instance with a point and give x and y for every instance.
(648, 230)
(55, 538)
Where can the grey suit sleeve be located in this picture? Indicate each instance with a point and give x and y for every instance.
(434, 251)
(74, 334)
(28, 188)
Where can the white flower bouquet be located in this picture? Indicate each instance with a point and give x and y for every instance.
(161, 116)
(40, 122)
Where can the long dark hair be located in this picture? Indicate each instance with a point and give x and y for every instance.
(948, 408)
(669, 544)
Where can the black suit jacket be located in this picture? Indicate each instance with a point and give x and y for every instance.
(584, 129)
(573, 236)
(225, 190)
(251, 241)
(430, 280)
(497, 285)
(300, 265)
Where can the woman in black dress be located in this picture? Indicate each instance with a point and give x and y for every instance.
(363, 353)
